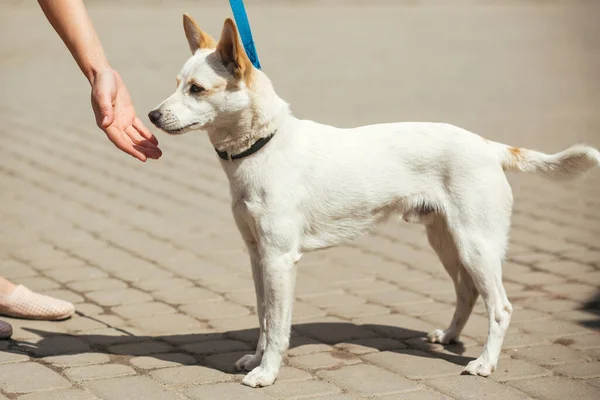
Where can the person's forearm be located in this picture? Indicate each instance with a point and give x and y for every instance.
(70, 19)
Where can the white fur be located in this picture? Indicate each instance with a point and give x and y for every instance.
(314, 186)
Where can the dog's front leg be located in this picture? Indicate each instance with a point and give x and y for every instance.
(251, 361)
(279, 278)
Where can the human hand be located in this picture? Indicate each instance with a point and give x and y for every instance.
(116, 116)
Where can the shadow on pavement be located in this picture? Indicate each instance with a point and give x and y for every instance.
(220, 350)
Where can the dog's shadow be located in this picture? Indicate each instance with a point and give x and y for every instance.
(220, 350)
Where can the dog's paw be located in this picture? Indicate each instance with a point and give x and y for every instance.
(440, 336)
(248, 362)
(481, 367)
(259, 377)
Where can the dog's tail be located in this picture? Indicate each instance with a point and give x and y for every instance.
(567, 164)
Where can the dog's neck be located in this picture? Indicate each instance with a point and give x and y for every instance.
(266, 113)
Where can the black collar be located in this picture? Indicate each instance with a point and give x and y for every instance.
(253, 149)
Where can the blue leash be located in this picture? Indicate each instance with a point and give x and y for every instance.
(241, 19)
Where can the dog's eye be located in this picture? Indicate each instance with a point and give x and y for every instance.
(196, 88)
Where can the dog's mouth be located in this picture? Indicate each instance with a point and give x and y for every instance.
(180, 130)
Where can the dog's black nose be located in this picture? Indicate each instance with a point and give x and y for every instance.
(154, 116)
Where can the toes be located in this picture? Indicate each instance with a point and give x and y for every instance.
(239, 364)
(479, 367)
(258, 377)
(436, 336)
(247, 362)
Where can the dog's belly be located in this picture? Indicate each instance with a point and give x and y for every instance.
(323, 232)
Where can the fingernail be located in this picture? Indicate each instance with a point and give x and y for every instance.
(104, 120)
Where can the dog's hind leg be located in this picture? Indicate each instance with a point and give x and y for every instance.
(480, 231)
(466, 292)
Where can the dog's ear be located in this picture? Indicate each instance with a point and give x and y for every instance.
(195, 37)
(232, 51)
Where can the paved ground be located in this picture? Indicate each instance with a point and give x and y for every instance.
(150, 254)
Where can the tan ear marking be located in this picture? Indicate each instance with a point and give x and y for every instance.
(197, 39)
(232, 51)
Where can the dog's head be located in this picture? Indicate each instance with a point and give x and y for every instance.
(213, 84)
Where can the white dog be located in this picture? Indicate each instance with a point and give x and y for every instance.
(299, 186)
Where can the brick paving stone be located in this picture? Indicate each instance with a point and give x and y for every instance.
(368, 286)
(324, 360)
(424, 308)
(474, 387)
(555, 387)
(88, 373)
(333, 300)
(89, 309)
(291, 374)
(96, 285)
(56, 345)
(550, 305)
(303, 311)
(593, 382)
(77, 360)
(548, 355)
(414, 364)
(300, 390)
(152, 285)
(572, 291)
(38, 284)
(66, 394)
(581, 370)
(426, 394)
(130, 311)
(301, 345)
(357, 311)
(13, 269)
(187, 295)
(516, 339)
(579, 341)
(373, 381)
(528, 316)
(245, 297)
(140, 348)
(396, 297)
(308, 286)
(78, 324)
(7, 357)
(229, 391)
(215, 346)
(66, 295)
(29, 377)
(566, 268)
(396, 326)
(477, 326)
(163, 360)
(551, 328)
(109, 336)
(370, 345)
(76, 274)
(225, 361)
(189, 375)
(216, 310)
(334, 330)
(131, 387)
(118, 297)
(169, 324)
(511, 369)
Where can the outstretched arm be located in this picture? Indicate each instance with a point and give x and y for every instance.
(111, 102)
